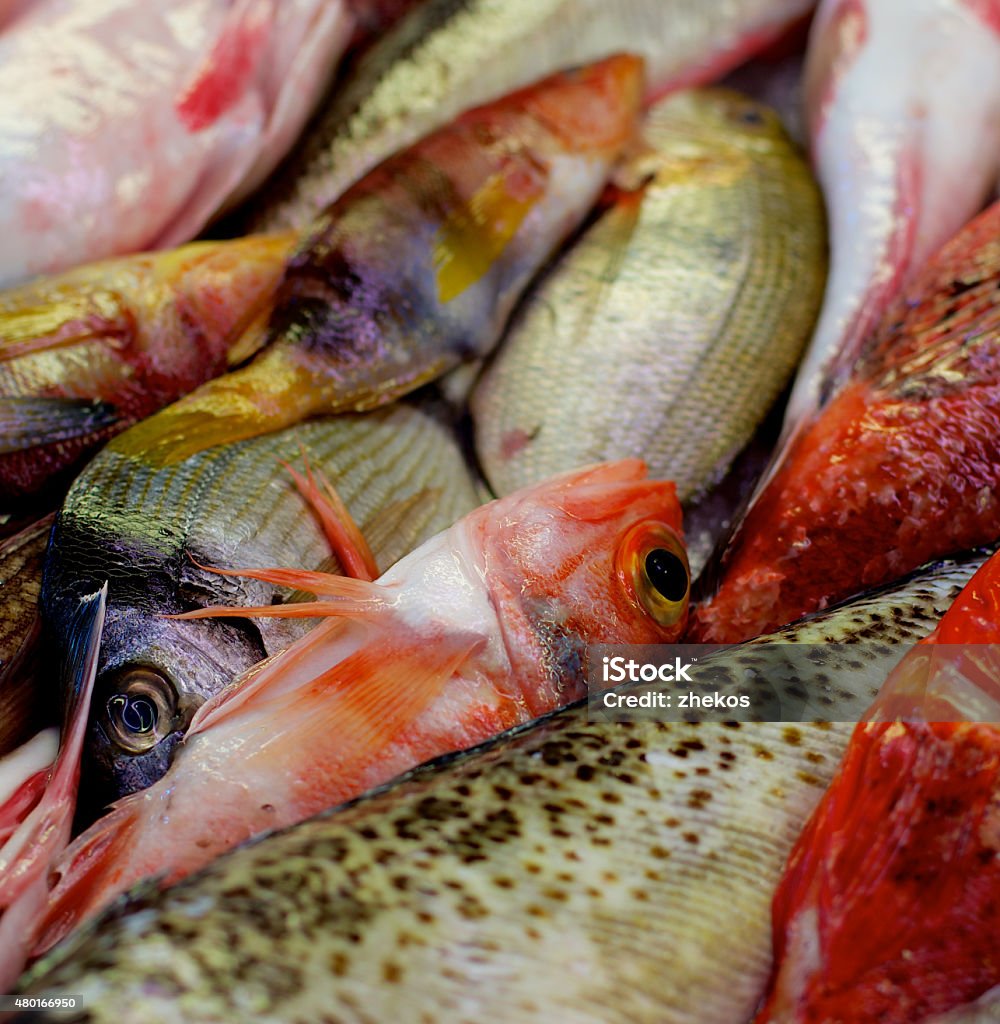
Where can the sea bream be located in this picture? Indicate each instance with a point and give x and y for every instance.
(126, 126)
(889, 906)
(669, 328)
(901, 466)
(417, 267)
(903, 107)
(149, 531)
(448, 55)
(482, 628)
(516, 882)
(86, 353)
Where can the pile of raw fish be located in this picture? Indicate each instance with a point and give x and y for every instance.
(366, 363)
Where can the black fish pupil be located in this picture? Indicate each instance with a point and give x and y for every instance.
(137, 714)
(667, 574)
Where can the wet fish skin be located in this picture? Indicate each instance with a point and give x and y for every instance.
(23, 710)
(514, 882)
(901, 466)
(483, 627)
(417, 266)
(449, 55)
(888, 906)
(160, 142)
(86, 353)
(398, 470)
(900, 172)
(670, 327)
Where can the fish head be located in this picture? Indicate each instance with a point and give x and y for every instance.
(591, 556)
(153, 672)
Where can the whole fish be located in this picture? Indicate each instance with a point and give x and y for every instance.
(127, 126)
(148, 531)
(517, 882)
(23, 708)
(903, 106)
(87, 353)
(889, 906)
(483, 627)
(672, 325)
(36, 819)
(417, 267)
(901, 466)
(448, 55)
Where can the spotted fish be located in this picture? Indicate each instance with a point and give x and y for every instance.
(518, 882)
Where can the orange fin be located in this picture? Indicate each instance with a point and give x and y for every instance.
(82, 883)
(352, 597)
(346, 539)
(372, 695)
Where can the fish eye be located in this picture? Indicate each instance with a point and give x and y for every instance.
(140, 710)
(653, 564)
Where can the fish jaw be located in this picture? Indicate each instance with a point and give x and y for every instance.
(86, 353)
(900, 173)
(439, 242)
(901, 466)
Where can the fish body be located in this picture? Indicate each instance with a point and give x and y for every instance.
(148, 531)
(670, 327)
(23, 711)
(903, 108)
(417, 266)
(35, 820)
(889, 906)
(86, 353)
(169, 111)
(516, 882)
(482, 628)
(901, 466)
(449, 55)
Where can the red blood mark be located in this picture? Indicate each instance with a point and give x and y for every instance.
(987, 11)
(225, 74)
(834, 51)
(514, 442)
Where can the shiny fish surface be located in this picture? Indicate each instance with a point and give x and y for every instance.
(903, 108)
(127, 126)
(671, 326)
(887, 910)
(416, 268)
(901, 466)
(148, 531)
(449, 55)
(86, 353)
(23, 707)
(516, 882)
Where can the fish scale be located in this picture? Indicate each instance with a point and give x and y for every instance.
(570, 870)
(399, 471)
(670, 327)
(449, 55)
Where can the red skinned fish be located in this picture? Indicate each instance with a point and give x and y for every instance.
(482, 628)
(901, 467)
(901, 173)
(889, 907)
(418, 265)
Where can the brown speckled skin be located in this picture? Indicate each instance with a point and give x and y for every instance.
(569, 871)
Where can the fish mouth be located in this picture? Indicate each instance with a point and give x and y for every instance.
(83, 648)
